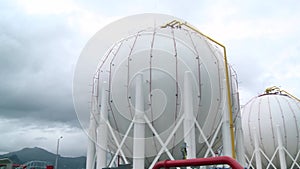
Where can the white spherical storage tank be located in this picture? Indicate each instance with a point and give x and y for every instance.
(271, 130)
(159, 88)
(162, 56)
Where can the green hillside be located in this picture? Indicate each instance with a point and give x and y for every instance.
(30, 154)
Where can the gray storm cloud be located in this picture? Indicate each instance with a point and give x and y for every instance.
(36, 66)
(38, 53)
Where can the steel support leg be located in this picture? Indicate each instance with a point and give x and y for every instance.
(102, 131)
(257, 150)
(189, 126)
(91, 150)
(280, 150)
(226, 137)
(139, 126)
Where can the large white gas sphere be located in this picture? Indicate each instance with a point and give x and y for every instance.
(263, 114)
(162, 55)
(139, 45)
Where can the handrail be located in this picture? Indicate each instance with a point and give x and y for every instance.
(277, 89)
(199, 162)
(176, 23)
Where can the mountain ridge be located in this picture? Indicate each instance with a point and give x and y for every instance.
(30, 154)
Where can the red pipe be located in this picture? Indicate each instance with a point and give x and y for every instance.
(199, 162)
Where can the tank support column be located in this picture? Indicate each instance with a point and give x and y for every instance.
(139, 126)
(240, 150)
(102, 131)
(90, 157)
(189, 126)
(280, 150)
(91, 150)
(226, 129)
(257, 151)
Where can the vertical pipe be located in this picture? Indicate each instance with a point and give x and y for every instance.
(139, 126)
(230, 112)
(189, 126)
(280, 149)
(102, 131)
(229, 107)
(257, 151)
(57, 147)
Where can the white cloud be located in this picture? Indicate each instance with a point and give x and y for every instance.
(226, 29)
(261, 40)
(37, 7)
(89, 23)
(262, 43)
(27, 133)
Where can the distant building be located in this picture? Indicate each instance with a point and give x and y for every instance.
(36, 165)
(6, 163)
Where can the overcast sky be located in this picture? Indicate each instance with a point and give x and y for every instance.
(40, 42)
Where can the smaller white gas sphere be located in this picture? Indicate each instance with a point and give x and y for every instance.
(263, 115)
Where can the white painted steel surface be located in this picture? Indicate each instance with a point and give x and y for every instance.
(264, 113)
(161, 56)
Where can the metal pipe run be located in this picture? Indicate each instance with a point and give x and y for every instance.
(199, 162)
(175, 23)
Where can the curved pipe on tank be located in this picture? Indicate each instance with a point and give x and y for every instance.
(179, 24)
